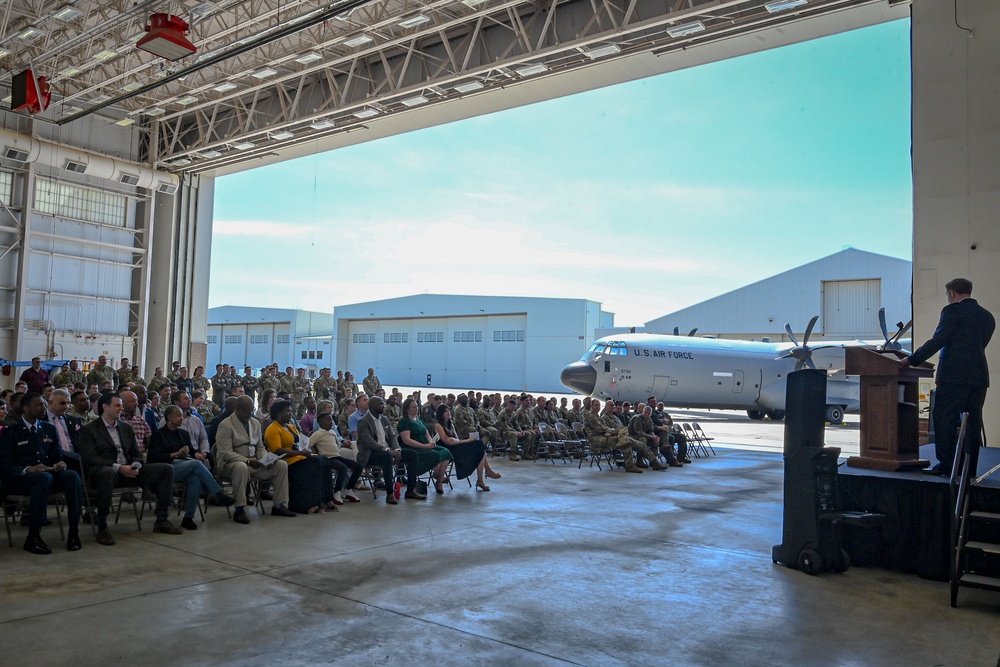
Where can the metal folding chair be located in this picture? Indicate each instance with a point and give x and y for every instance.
(702, 437)
(14, 504)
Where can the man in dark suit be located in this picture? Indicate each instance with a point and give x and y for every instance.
(963, 376)
(378, 448)
(111, 458)
(31, 463)
(67, 427)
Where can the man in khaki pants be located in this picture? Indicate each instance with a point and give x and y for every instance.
(238, 451)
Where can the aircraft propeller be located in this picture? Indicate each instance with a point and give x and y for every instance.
(677, 332)
(892, 343)
(802, 353)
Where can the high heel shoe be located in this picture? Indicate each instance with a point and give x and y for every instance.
(481, 487)
(439, 487)
(493, 475)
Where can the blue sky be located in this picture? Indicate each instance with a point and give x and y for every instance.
(648, 196)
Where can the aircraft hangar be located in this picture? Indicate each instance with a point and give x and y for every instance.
(109, 155)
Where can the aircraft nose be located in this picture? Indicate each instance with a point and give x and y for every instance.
(580, 377)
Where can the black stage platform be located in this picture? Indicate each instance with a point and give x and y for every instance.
(916, 535)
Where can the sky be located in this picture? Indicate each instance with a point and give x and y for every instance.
(648, 196)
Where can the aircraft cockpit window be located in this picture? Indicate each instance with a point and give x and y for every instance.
(616, 348)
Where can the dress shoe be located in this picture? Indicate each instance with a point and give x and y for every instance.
(266, 495)
(281, 510)
(391, 500)
(188, 523)
(73, 541)
(105, 537)
(241, 517)
(685, 460)
(414, 495)
(222, 500)
(937, 471)
(164, 526)
(36, 545)
(632, 468)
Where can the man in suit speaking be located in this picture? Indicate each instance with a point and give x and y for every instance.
(963, 376)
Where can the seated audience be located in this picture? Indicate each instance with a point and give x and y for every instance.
(310, 479)
(413, 435)
(469, 453)
(375, 443)
(325, 441)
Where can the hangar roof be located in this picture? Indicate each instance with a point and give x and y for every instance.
(276, 79)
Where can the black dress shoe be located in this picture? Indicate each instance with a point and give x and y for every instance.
(222, 500)
(241, 517)
(936, 471)
(188, 523)
(281, 510)
(73, 542)
(36, 545)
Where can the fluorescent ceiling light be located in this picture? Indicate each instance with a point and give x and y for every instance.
(414, 101)
(4, 53)
(125, 122)
(414, 21)
(70, 71)
(473, 3)
(321, 125)
(223, 87)
(469, 86)
(265, 73)
(155, 111)
(782, 5)
(67, 13)
(204, 8)
(99, 99)
(307, 58)
(212, 154)
(602, 51)
(686, 29)
(69, 111)
(358, 41)
(106, 54)
(529, 70)
(128, 88)
(281, 136)
(366, 113)
(181, 162)
(30, 35)
(244, 145)
(6, 100)
(187, 99)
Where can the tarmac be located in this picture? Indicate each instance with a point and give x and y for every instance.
(557, 565)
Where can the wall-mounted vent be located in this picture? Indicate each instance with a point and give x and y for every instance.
(15, 154)
(129, 179)
(76, 167)
(166, 188)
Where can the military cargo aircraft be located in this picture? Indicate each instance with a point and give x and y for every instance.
(689, 372)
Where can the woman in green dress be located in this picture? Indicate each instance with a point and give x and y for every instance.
(413, 434)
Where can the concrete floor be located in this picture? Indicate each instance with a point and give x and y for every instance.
(555, 566)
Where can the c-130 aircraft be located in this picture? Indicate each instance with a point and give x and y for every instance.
(689, 372)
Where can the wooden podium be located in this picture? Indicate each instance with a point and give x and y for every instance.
(890, 437)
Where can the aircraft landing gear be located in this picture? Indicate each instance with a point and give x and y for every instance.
(776, 415)
(835, 414)
(755, 414)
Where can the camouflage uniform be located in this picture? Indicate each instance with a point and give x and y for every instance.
(269, 382)
(300, 389)
(98, 375)
(464, 420)
(172, 375)
(125, 376)
(155, 383)
(203, 383)
(285, 384)
(488, 431)
(372, 385)
(428, 415)
(250, 386)
(345, 431)
(508, 427)
(321, 383)
(209, 411)
(574, 415)
(597, 430)
(394, 413)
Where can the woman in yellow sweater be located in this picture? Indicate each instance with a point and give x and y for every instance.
(310, 478)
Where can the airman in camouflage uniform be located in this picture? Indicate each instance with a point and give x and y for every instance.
(137, 378)
(464, 418)
(102, 373)
(371, 383)
(250, 383)
(200, 382)
(301, 387)
(642, 428)
(349, 383)
(507, 425)
(73, 375)
(527, 421)
(157, 381)
(125, 374)
(206, 408)
(175, 371)
(286, 381)
(393, 410)
(574, 414)
(488, 431)
(324, 381)
(219, 385)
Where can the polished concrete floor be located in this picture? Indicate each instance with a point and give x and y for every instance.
(555, 566)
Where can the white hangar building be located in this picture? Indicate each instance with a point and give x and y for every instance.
(463, 342)
(845, 289)
(246, 335)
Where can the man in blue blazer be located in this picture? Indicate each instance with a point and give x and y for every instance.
(963, 376)
(32, 464)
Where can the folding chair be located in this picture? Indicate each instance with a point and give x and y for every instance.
(707, 441)
(571, 443)
(14, 504)
(694, 444)
(549, 441)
